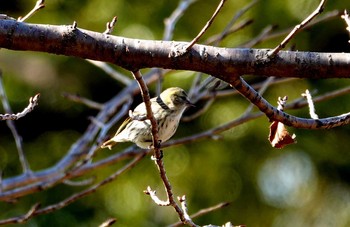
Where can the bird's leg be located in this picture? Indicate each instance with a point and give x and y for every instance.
(161, 151)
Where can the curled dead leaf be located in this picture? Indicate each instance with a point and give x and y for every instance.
(279, 136)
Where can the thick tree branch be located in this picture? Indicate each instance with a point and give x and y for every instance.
(134, 54)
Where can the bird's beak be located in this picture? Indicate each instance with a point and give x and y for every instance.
(189, 103)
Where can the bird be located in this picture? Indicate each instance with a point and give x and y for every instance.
(167, 109)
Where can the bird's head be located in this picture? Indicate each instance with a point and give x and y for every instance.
(175, 97)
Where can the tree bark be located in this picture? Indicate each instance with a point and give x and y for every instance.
(133, 54)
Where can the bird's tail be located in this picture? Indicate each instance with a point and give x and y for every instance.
(109, 144)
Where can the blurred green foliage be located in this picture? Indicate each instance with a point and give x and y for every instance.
(305, 184)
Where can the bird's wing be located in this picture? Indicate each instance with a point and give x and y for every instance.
(140, 110)
(123, 125)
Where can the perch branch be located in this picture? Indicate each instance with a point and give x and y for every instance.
(158, 153)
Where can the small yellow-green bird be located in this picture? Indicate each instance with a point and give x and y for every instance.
(167, 109)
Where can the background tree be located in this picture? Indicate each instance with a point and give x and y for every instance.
(303, 184)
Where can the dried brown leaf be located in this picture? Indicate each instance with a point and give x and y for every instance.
(279, 136)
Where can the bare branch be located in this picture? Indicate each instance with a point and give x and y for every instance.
(182, 200)
(73, 198)
(110, 26)
(10, 117)
(134, 54)
(171, 21)
(38, 5)
(347, 20)
(276, 115)
(155, 198)
(265, 32)
(312, 110)
(79, 183)
(23, 218)
(297, 28)
(108, 222)
(218, 38)
(281, 103)
(77, 98)
(74, 25)
(204, 212)
(228, 29)
(158, 154)
(322, 18)
(207, 25)
(329, 95)
(33, 101)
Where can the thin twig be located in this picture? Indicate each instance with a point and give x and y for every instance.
(38, 5)
(329, 95)
(266, 31)
(79, 183)
(203, 212)
(155, 198)
(196, 88)
(182, 200)
(215, 39)
(207, 25)
(228, 28)
(33, 101)
(346, 18)
(296, 29)
(89, 103)
(281, 103)
(168, 34)
(171, 21)
(22, 218)
(312, 110)
(12, 127)
(157, 152)
(110, 26)
(322, 18)
(108, 222)
(111, 72)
